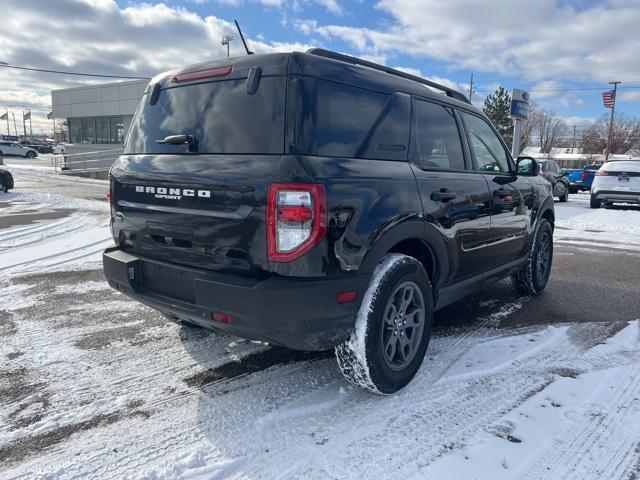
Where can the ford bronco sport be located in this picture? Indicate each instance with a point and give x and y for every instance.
(315, 201)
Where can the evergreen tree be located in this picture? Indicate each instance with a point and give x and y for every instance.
(497, 106)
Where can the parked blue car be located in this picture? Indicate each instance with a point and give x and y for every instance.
(581, 179)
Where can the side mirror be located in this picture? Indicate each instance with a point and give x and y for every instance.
(528, 167)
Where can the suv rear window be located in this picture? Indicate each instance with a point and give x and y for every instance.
(221, 115)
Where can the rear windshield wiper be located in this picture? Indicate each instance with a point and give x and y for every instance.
(189, 140)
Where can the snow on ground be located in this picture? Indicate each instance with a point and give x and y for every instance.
(93, 385)
(74, 239)
(615, 227)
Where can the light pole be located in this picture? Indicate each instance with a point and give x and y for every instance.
(15, 128)
(226, 40)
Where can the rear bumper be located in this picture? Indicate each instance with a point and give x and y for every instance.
(299, 313)
(616, 196)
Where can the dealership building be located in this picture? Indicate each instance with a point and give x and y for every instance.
(97, 116)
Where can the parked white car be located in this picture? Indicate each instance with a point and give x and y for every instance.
(59, 149)
(12, 148)
(617, 181)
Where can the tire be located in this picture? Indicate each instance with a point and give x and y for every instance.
(565, 197)
(30, 155)
(560, 191)
(3, 187)
(399, 284)
(532, 278)
(594, 202)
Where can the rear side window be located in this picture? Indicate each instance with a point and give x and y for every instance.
(222, 116)
(437, 138)
(332, 119)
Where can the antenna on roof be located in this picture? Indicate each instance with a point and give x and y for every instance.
(249, 52)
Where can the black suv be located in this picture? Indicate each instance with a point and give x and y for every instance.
(315, 200)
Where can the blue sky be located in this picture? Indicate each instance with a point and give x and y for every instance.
(563, 51)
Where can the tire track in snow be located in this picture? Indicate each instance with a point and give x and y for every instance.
(441, 361)
(459, 414)
(602, 433)
(30, 230)
(580, 442)
(51, 230)
(456, 413)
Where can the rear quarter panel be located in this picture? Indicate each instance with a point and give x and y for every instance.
(366, 199)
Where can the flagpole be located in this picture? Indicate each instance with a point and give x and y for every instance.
(8, 132)
(30, 127)
(613, 109)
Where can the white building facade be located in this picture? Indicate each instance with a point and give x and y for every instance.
(98, 115)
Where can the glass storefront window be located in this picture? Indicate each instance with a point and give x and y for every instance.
(88, 130)
(117, 130)
(102, 130)
(75, 131)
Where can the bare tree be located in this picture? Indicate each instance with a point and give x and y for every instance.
(549, 129)
(528, 127)
(625, 135)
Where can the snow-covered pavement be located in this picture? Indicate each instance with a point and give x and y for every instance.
(93, 385)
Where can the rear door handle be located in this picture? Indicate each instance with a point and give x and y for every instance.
(444, 195)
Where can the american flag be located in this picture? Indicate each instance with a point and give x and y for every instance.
(609, 98)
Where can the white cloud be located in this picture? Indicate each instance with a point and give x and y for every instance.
(307, 27)
(579, 122)
(629, 95)
(536, 40)
(332, 6)
(100, 37)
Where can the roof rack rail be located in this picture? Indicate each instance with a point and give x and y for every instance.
(321, 52)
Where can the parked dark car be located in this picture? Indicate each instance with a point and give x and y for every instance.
(315, 200)
(41, 147)
(553, 173)
(581, 179)
(6, 180)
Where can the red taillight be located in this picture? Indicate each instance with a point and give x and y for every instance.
(601, 173)
(346, 297)
(585, 176)
(202, 74)
(295, 214)
(221, 317)
(296, 219)
(112, 211)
